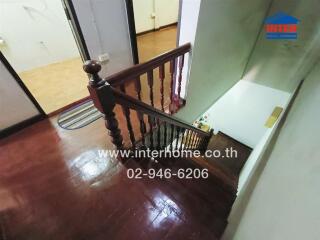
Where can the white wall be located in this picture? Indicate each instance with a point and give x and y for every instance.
(285, 202)
(225, 36)
(15, 106)
(36, 33)
(282, 64)
(243, 111)
(105, 28)
(187, 33)
(166, 12)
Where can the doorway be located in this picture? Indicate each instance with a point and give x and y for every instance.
(156, 24)
(36, 39)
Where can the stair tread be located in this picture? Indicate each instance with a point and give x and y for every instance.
(233, 164)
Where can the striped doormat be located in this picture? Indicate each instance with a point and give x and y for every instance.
(79, 116)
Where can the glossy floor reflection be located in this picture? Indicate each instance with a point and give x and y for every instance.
(54, 185)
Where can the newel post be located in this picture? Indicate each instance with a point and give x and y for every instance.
(103, 99)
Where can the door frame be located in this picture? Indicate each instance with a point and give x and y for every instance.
(132, 29)
(77, 32)
(76, 29)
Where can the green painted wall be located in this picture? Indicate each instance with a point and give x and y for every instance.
(226, 33)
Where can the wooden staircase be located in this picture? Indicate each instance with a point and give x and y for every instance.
(148, 124)
(138, 112)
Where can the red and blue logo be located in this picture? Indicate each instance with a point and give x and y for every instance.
(281, 26)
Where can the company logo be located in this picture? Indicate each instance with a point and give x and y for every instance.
(281, 26)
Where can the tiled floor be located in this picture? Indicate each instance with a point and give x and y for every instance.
(49, 84)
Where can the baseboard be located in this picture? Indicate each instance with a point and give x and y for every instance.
(157, 29)
(19, 126)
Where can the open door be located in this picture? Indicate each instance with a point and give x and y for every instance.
(103, 32)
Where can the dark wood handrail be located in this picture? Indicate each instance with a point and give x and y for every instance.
(139, 69)
(144, 108)
(161, 128)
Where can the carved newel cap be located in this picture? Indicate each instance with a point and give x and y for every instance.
(93, 67)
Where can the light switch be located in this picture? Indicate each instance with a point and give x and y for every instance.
(104, 58)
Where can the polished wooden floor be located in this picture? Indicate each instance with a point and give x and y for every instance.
(155, 43)
(54, 185)
(45, 83)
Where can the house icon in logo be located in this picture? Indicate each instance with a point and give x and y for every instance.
(281, 26)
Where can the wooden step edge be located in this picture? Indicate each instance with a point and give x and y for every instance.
(216, 170)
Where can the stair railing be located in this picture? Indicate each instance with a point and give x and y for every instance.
(148, 127)
(167, 68)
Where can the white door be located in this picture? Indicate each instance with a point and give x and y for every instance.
(166, 12)
(144, 17)
(154, 14)
(15, 105)
(104, 28)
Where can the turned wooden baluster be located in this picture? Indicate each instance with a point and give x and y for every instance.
(126, 113)
(172, 84)
(150, 121)
(192, 139)
(195, 140)
(103, 99)
(142, 127)
(165, 134)
(177, 137)
(181, 63)
(150, 83)
(137, 84)
(159, 134)
(189, 139)
(182, 138)
(162, 76)
(171, 136)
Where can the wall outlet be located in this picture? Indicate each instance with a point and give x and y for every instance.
(104, 58)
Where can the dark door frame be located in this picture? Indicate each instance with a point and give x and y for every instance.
(132, 31)
(77, 31)
(132, 28)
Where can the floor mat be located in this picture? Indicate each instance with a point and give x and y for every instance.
(79, 116)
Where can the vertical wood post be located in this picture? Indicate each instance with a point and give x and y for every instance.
(203, 145)
(103, 99)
